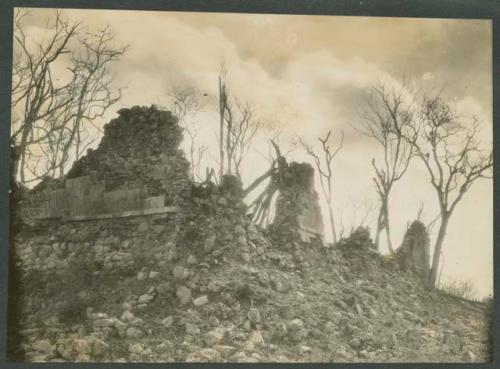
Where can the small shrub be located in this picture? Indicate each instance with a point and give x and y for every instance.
(243, 294)
(463, 289)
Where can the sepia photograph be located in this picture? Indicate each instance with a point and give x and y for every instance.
(249, 188)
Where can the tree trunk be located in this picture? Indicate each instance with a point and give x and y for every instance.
(22, 149)
(229, 151)
(388, 235)
(61, 168)
(14, 306)
(15, 153)
(379, 227)
(437, 249)
(388, 226)
(222, 109)
(332, 223)
(22, 166)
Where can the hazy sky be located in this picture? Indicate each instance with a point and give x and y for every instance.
(308, 74)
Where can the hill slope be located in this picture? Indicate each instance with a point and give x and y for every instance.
(216, 288)
(201, 282)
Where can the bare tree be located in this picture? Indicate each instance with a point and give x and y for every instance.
(92, 90)
(260, 207)
(242, 125)
(450, 149)
(184, 103)
(385, 118)
(429, 225)
(33, 87)
(324, 166)
(223, 104)
(55, 118)
(238, 125)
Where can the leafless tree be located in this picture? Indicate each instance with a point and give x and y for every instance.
(184, 103)
(223, 105)
(33, 87)
(385, 117)
(324, 165)
(93, 94)
(54, 115)
(238, 125)
(260, 207)
(450, 149)
(429, 225)
(242, 125)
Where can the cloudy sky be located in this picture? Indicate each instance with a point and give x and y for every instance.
(308, 74)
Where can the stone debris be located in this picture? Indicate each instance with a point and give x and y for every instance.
(215, 336)
(184, 295)
(168, 321)
(254, 316)
(359, 239)
(208, 285)
(200, 301)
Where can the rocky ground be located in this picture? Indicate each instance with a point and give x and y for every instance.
(207, 285)
(244, 299)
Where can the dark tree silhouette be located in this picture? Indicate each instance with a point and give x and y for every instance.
(223, 102)
(324, 165)
(386, 116)
(450, 149)
(54, 115)
(238, 125)
(184, 103)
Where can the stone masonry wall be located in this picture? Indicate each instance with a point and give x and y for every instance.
(413, 255)
(137, 165)
(139, 149)
(298, 213)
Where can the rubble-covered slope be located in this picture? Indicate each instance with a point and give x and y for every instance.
(203, 283)
(208, 285)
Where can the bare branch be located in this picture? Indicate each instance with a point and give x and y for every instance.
(448, 146)
(386, 118)
(324, 166)
(56, 114)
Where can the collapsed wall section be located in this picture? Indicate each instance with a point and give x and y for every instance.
(139, 149)
(298, 214)
(138, 165)
(413, 255)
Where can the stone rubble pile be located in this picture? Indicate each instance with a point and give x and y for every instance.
(219, 296)
(208, 285)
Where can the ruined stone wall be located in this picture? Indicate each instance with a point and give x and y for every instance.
(113, 244)
(139, 149)
(298, 213)
(69, 268)
(138, 165)
(209, 286)
(413, 255)
(206, 284)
